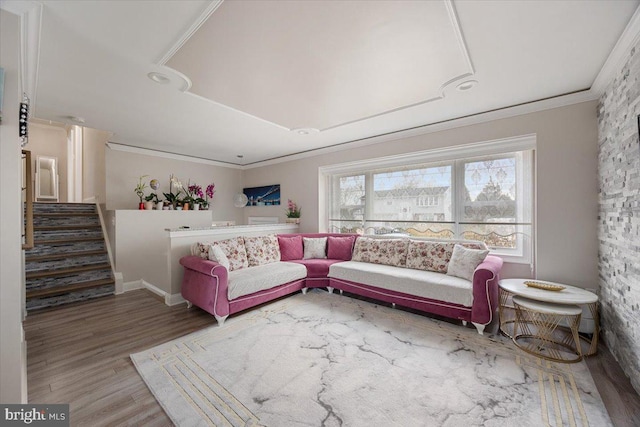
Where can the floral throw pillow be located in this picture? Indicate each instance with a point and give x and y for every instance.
(235, 251)
(465, 261)
(262, 249)
(429, 256)
(361, 250)
(381, 251)
(389, 252)
(201, 249)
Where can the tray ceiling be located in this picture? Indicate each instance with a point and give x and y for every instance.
(269, 79)
(321, 65)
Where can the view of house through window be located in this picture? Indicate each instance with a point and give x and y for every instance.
(482, 198)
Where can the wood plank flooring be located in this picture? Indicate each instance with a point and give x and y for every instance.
(79, 354)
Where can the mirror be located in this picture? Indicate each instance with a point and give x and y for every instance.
(47, 178)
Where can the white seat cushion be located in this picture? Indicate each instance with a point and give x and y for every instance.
(253, 279)
(426, 284)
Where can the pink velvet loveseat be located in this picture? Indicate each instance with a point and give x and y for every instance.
(206, 282)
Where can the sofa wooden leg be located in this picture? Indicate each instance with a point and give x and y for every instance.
(479, 327)
(189, 305)
(464, 323)
(330, 289)
(393, 305)
(221, 319)
(341, 291)
(304, 291)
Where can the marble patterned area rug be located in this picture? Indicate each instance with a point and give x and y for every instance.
(328, 360)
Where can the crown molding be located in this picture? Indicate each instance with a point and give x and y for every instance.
(206, 13)
(496, 146)
(618, 56)
(167, 155)
(507, 112)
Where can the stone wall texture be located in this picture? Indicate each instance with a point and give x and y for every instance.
(619, 215)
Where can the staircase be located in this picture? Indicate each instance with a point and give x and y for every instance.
(69, 260)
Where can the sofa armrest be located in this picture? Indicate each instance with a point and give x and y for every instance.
(485, 290)
(204, 266)
(205, 285)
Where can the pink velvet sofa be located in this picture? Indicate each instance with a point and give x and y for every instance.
(206, 283)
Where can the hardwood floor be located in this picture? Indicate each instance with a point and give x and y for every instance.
(79, 354)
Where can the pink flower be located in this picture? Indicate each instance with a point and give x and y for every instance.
(211, 189)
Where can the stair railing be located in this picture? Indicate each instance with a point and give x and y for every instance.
(27, 199)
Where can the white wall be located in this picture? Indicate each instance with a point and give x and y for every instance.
(124, 168)
(13, 364)
(94, 186)
(50, 141)
(142, 243)
(567, 186)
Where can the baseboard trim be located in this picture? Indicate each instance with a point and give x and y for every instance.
(169, 299)
(131, 286)
(119, 282)
(174, 299)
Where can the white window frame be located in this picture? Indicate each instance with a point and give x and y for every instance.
(457, 153)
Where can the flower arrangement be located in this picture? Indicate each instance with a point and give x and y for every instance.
(293, 211)
(139, 189)
(172, 197)
(208, 193)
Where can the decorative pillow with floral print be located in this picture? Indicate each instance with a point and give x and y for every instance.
(430, 256)
(381, 251)
(262, 249)
(389, 252)
(361, 250)
(435, 256)
(201, 249)
(235, 251)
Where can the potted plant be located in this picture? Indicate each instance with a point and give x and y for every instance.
(139, 190)
(171, 197)
(200, 204)
(209, 192)
(159, 203)
(152, 199)
(194, 191)
(148, 205)
(186, 202)
(293, 212)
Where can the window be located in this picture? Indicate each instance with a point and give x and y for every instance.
(479, 197)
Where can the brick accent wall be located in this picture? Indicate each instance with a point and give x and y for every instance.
(619, 216)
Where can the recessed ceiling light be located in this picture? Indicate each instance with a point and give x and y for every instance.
(159, 78)
(466, 85)
(76, 119)
(240, 156)
(306, 131)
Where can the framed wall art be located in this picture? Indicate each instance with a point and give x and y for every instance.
(268, 195)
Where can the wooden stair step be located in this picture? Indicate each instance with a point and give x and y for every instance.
(63, 214)
(64, 255)
(75, 239)
(59, 290)
(65, 271)
(65, 227)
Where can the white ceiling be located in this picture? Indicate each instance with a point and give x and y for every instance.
(246, 76)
